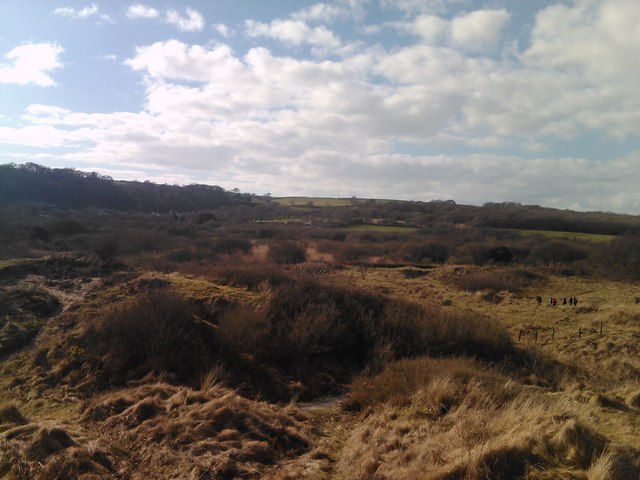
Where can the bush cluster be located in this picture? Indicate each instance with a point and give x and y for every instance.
(303, 328)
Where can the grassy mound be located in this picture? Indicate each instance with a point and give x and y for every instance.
(453, 419)
(301, 338)
(212, 432)
(22, 314)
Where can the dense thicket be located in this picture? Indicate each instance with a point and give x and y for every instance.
(72, 189)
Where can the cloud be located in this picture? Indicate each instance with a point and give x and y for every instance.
(319, 12)
(293, 32)
(328, 13)
(175, 60)
(73, 13)
(82, 13)
(411, 7)
(138, 10)
(192, 22)
(476, 31)
(31, 64)
(588, 46)
(480, 29)
(222, 29)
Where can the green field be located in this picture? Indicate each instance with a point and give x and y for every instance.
(590, 237)
(381, 229)
(326, 202)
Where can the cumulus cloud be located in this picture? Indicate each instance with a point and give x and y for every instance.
(329, 12)
(591, 44)
(423, 6)
(31, 64)
(193, 21)
(319, 12)
(480, 29)
(294, 32)
(81, 13)
(222, 29)
(476, 31)
(138, 10)
(73, 13)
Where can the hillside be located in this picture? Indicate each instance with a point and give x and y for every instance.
(71, 189)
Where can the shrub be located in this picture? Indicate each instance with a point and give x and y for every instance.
(154, 332)
(40, 233)
(430, 252)
(106, 250)
(232, 245)
(620, 258)
(183, 255)
(288, 252)
(250, 276)
(557, 252)
(66, 226)
(500, 254)
(313, 325)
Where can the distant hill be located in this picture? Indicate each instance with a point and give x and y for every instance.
(72, 189)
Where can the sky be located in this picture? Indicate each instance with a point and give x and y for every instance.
(528, 101)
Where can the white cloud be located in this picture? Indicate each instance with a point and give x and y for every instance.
(73, 13)
(589, 46)
(31, 63)
(138, 10)
(319, 12)
(430, 27)
(294, 32)
(82, 13)
(176, 60)
(192, 22)
(480, 29)
(422, 6)
(476, 31)
(222, 29)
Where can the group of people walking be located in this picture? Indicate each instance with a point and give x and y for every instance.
(553, 301)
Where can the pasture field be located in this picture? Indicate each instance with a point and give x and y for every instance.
(327, 202)
(588, 237)
(381, 228)
(211, 350)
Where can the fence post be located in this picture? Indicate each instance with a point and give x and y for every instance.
(600, 328)
(580, 333)
(553, 334)
(536, 335)
(519, 334)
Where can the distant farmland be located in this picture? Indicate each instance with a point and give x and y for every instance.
(590, 237)
(327, 202)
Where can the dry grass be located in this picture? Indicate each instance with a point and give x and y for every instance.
(494, 281)
(451, 430)
(443, 383)
(213, 431)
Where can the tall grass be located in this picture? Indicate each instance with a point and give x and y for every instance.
(512, 280)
